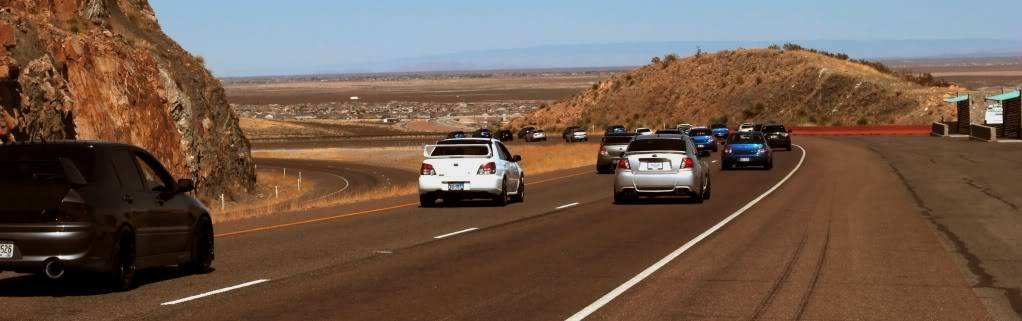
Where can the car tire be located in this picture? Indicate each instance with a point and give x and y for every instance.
(122, 273)
(427, 201)
(621, 198)
(520, 196)
(501, 199)
(726, 166)
(769, 164)
(789, 148)
(709, 189)
(203, 250)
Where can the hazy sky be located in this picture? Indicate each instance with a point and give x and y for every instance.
(240, 37)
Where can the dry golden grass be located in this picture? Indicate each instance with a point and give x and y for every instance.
(263, 198)
(394, 157)
(539, 159)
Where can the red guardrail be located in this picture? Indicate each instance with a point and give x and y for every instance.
(921, 130)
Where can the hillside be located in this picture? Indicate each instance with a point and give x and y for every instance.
(103, 69)
(792, 86)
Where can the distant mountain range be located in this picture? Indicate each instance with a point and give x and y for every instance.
(639, 53)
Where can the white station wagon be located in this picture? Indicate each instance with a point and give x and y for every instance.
(470, 168)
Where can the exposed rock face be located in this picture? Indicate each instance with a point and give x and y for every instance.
(103, 69)
(758, 85)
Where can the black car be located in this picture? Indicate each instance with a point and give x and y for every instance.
(99, 207)
(456, 134)
(777, 136)
(505, 135)
(482, 133)
(525, 131)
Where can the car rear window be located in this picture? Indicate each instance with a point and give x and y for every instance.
(41, 162)
(716, 126)
(656, 145)
(746, 139)
(774, 129)
(441, 150)
(699, 132)
(616, 140)
(669, 131)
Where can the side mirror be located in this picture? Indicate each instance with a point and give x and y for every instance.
(184, 185)
(622, 155)
(516, 158)
(704, 153)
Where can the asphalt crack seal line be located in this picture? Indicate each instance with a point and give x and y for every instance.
(613, 294)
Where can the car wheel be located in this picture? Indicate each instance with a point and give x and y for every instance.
(122, 276)
(769, 164)
(725, 166)
(789, 148)
(520, 196)
(427, 200)
(501, 199)
(202, 248)
(709, 188)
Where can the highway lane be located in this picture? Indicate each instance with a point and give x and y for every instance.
(535, 260)
(561, 250)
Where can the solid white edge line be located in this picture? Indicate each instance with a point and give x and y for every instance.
(566, 206)
(670, 257)
(456, 233)
(232, 288)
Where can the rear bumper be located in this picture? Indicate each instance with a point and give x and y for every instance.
(711, 146)
(752, 159)
(627, 182)
(473, 185)
(76, 245)
(606, 163)
(779, 142)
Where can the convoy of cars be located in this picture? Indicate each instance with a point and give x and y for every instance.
(113, 208)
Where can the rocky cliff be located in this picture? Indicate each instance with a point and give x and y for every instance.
(797, 87)
(103, 69)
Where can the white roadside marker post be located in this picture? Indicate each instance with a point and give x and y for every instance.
(276, 192)
(222, 205)
(285, 172)
(299, 181)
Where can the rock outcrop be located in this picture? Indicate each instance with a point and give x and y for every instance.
(104, 70)
(758, 85)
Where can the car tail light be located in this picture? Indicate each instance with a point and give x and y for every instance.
(487, 169)
(727, 150)
(623, 164)
(688, 163)
(603, 151)
(427, 169)
(761, 150)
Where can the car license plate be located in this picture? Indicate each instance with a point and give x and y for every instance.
(456, 186)
(6, 250)
(658, 166)
(744, 159)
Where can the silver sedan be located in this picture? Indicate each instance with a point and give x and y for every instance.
(661, 165)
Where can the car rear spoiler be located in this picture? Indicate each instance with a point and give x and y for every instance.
(427, 150)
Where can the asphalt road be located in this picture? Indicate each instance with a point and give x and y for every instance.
(841, 239)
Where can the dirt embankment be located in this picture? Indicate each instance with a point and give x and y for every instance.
(795, 87)
(103, 69)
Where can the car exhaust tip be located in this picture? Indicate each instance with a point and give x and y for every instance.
(54, 269)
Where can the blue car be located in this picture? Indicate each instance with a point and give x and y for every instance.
(747, 149)
(720, 131)
(703, 139)
(615, 129)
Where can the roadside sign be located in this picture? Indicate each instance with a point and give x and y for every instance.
(994, 114)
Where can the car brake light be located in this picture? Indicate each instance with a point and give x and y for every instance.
(603, 151)
(487, 169)
(427, 169)
(727, 150)
(688, 163)
(761, 150)
(623, 164)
